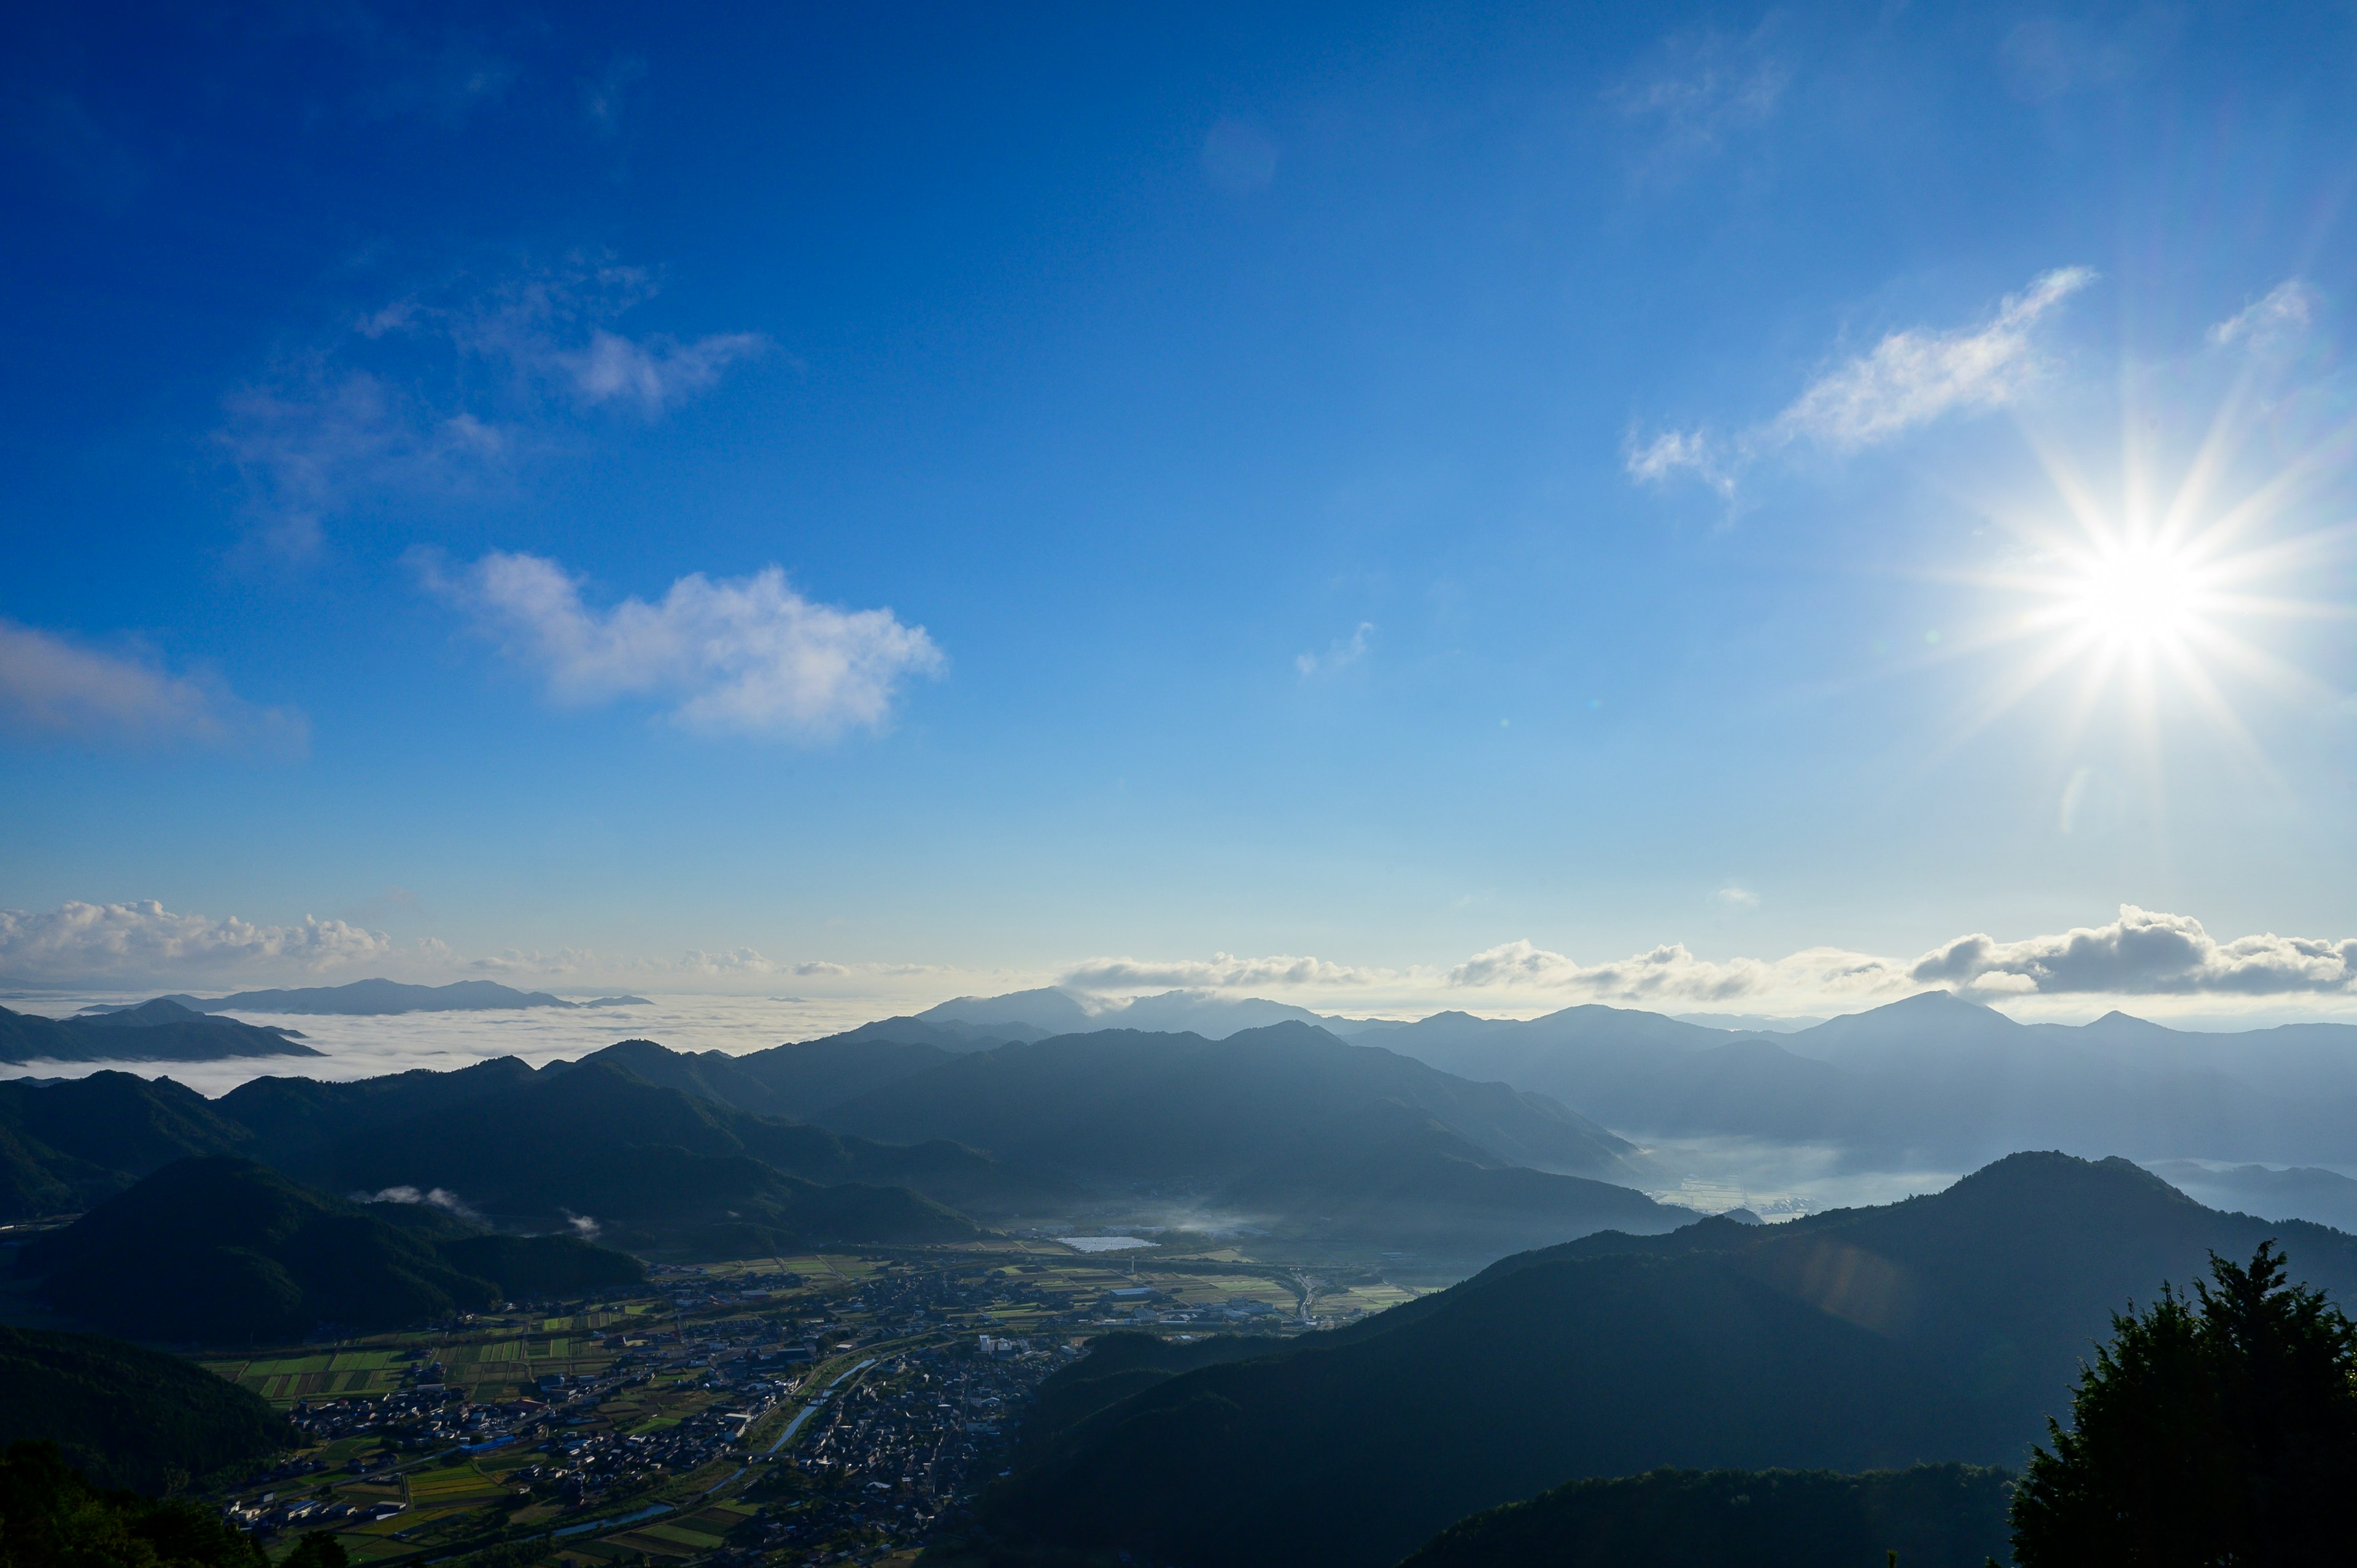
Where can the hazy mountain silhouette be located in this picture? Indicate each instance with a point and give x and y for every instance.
(1212, 1015)
(1941, 1328)
(158, 1031)
(1932, 1079)
(365, 997)
(1179, 1109)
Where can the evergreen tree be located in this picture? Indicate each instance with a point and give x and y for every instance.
(2216, 1431)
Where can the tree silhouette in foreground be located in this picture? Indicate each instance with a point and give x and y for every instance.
(2216, 1429)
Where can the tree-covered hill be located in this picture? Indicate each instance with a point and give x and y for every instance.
(52, 1517)
(1934, 1516)
(64, 1146)
(220, 1250)
(159, 1031)
(130, 1417)
(1943, 1329)
(661, 1169)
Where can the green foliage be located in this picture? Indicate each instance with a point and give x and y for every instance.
(319, 1549)
(52, 1517)
(64, 1146)
(129, 1417)
(2216, 1429)
(1932, 1516)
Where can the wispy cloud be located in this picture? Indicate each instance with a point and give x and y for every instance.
(2283, 316)
(746, 655)
(1340, 653)
(1704, 87)
(655, 371)
(52, 686)
(1907, 381)
(442, 392)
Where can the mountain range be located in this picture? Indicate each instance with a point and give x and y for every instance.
(1283, 1124)
(864, 1138)
(1931, 1082)
(1942, 1328)
(161, 1030)
(373, 997)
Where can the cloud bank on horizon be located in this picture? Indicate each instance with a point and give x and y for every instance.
(2142, 954)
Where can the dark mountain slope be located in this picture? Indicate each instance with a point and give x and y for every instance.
(1934, 1516)
(1386, 1170)
(807, 1080)
(158, 1031)
(660, 1168)
(222, 1250)
(1352, 1454)
(1181, 1108)
(64, 1146)
(129, 1417)
(1942, 1328)
(286, 1115)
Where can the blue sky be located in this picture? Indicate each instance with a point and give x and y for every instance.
(928, 498)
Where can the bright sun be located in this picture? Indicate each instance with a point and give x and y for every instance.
(2136, 598)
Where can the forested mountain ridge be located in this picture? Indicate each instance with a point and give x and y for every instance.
(217, 1249)
(129, 1417)
(1179, 1108)
(1943, 1329)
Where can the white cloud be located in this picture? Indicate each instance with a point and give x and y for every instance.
(1912, 377)
(52, 687)
(655, 372)
(1339, 654)
(142, 940)
(1222, 971)
(2284, 315)
(2144, 952)
(440, 1198)
(1736, 900)
(1671, 973)
(447, 391)
(1673, 451)
(1907, 381)
(744, 655)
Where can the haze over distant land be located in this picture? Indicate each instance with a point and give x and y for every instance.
(369, 997)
